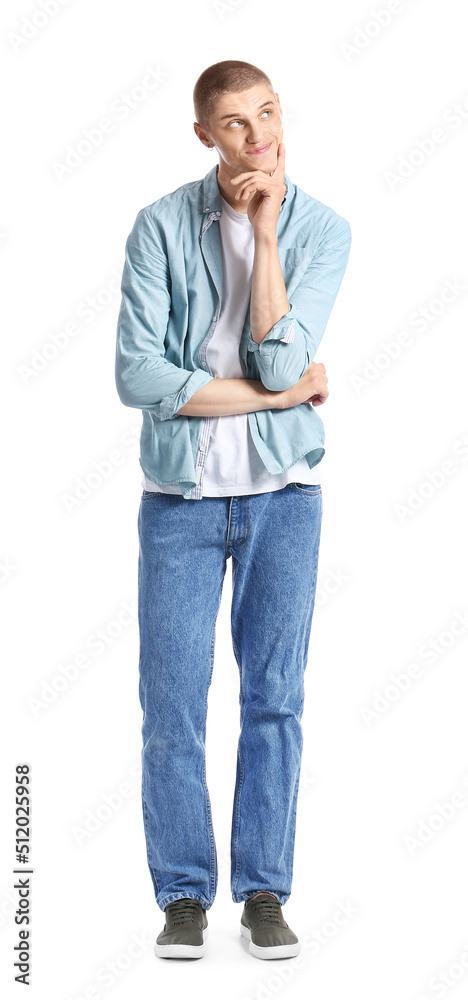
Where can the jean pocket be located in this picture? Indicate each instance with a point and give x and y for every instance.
(310, 489)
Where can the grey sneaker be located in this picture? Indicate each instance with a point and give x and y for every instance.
(263, 924)
(185, 930)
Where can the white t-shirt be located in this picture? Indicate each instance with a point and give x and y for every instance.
(233, 466)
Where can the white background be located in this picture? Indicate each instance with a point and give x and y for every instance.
(392, 577)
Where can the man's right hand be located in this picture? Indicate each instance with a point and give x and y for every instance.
(311, 387)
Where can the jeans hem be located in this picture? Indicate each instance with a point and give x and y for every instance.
(244, 896)
(163, 902)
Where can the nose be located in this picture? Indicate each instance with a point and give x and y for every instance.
(255, 138)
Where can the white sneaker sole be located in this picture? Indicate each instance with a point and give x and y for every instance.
(181, 950)
(276, 951)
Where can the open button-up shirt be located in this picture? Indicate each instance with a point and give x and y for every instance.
(172, 287)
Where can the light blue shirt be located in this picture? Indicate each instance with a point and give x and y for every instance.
(172, 286)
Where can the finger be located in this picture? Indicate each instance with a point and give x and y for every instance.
(239, 177)
(251, 188)
(243, 192)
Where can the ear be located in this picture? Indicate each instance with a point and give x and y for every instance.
(204, 139)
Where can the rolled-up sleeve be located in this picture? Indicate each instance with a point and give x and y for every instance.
(290, 346)
(143, 376)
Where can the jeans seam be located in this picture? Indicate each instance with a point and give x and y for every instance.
(146, 825)
(291, 845)
(235, 832)
(236, 824)
(213, 862)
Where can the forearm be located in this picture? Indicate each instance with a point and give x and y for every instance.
(268, 300)
(225, 396)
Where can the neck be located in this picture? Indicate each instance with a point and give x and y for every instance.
(227, 191)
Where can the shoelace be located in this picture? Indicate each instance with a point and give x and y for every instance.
(182, 911)
(268, 909)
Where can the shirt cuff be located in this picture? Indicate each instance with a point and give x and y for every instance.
(172, 403)
(282, 330)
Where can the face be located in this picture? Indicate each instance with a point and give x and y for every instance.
(242, 123)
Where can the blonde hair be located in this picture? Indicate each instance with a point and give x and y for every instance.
(229, 76)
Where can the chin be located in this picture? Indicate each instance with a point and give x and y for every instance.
(268, 162)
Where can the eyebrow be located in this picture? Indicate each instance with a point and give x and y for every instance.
(234, 115)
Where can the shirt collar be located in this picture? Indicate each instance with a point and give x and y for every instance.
(212, 196)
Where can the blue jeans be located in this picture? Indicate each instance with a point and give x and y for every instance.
(184, 546)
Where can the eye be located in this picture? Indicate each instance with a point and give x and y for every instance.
(236, 120)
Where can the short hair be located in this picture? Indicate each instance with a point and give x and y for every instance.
(230, 75)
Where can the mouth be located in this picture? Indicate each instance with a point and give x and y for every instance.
(259, 150)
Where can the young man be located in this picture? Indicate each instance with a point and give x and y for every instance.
(227, 287)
